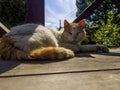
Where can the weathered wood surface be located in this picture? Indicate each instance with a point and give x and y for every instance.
(84, 72)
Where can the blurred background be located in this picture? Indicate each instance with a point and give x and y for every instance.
(103, 26)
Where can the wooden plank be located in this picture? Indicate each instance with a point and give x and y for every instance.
(35, 11)
(3, 30)
(82, 63)
(89, 10)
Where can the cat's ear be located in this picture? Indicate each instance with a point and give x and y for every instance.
(82, 23)
(66, 23)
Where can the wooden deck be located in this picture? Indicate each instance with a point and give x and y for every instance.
(84, 72)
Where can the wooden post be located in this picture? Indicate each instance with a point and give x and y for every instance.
(3, 30)
(35, 11)
(89, 10)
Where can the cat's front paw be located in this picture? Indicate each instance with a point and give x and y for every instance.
(75, 49)
(102, 48)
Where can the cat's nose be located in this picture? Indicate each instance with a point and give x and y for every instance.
(74, 38)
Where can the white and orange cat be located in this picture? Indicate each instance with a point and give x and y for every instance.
(34, 41)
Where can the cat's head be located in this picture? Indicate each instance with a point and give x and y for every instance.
(74, 32)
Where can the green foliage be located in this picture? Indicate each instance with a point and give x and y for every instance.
(81, 5)
(116, 19)
(103, 25)
(100, 14)
(108, 34)
(12, 12)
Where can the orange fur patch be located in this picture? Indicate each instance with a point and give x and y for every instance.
(52, 53)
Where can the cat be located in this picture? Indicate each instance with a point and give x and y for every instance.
(72, 36)
(34, 41)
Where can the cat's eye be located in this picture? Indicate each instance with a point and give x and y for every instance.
(70, 33)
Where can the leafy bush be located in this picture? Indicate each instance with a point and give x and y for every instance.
(12, 12)
(108, 34)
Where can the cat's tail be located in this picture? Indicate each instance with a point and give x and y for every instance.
(52, 53)
(9, 52)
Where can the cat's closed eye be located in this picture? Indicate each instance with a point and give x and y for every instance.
(78, 33)
(70, 33)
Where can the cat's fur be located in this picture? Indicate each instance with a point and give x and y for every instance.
(34, 41)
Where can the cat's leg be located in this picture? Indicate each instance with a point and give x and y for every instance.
(94, 48)
(73, 47)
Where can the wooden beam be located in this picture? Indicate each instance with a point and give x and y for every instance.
(3, 30)
(35, 11)
(89, 10)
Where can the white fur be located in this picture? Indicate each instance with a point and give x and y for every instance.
(30, 36)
